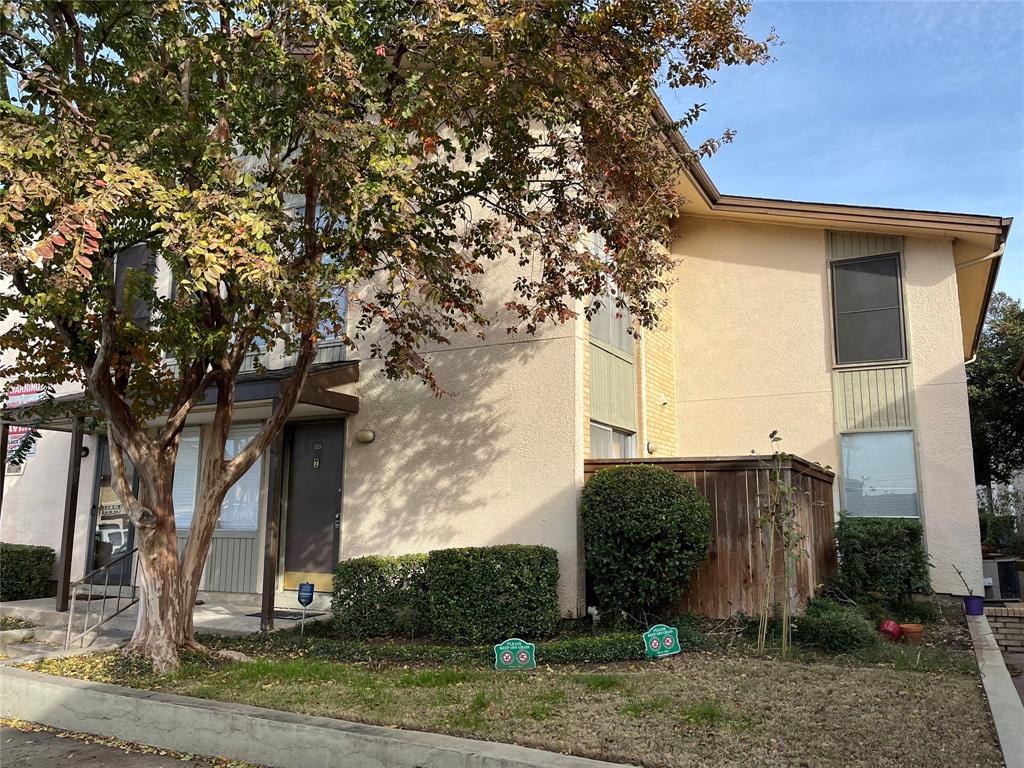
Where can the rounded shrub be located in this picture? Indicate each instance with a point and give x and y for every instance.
(645, 530)
(834, 627)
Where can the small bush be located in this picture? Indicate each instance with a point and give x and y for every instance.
(645, 530)
(834, 627)
(486, 594)
(380, 596)
(25, 571)
(998, 530)
(881, 556)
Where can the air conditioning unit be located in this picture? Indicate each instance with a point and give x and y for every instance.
(1001, 579)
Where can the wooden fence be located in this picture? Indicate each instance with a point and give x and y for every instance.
(732, 578)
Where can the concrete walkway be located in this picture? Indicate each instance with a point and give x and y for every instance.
(226, 617)
(42, 749)
(1003, 700)
(1017, 659)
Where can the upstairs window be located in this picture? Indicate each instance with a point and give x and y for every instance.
(610, 325)
(867, 304)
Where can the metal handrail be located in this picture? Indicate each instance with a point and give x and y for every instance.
(132, 597)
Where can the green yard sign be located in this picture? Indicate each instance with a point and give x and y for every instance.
(661, 640)
(515, 654)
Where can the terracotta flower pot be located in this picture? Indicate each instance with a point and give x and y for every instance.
(913, 633)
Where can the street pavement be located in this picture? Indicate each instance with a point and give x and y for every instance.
(48, 750)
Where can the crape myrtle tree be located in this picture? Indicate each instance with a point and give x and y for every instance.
(267, 154)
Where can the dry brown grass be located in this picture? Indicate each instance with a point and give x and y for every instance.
(699, 709)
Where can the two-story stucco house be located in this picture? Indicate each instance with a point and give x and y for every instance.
(846, 328)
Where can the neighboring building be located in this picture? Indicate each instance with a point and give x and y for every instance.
(846, 328)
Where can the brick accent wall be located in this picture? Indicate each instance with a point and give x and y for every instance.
(659, 361)
(1007, 624)
(658, 378)
(586, 386)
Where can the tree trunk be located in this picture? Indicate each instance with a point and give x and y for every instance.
(160, 630)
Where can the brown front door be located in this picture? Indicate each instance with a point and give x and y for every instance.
(313, 527)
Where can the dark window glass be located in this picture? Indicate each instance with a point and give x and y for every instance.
(868, 310)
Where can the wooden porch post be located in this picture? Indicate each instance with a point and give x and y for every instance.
(67, 538)
(272, 535)
(5, 431)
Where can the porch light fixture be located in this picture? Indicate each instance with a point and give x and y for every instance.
(365, 436)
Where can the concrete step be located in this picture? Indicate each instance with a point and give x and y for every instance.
(104, 634)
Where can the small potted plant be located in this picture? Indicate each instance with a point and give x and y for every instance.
(974, 605)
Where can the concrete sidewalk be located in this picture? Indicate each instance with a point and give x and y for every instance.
(1003, 700)
(252, 734)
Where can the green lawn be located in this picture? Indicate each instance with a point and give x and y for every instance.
(716, 707)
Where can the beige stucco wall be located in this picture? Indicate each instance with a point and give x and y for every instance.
(497, 459)
(493, 463)
(656, 385)
(33, 507)
(943, 433)
(754, 354)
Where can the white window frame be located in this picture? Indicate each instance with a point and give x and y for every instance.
(631, 436)
(917, 472)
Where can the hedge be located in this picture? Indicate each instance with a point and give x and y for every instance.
(598, 648)
(25, 571)
(645, 531)
(881, 556)
(376, 596)
(486, 594)
(833, 627)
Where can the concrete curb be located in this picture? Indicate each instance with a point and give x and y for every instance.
(253, 734)
(1003, 701)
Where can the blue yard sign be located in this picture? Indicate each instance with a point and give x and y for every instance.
(305, 598)
(660, 641)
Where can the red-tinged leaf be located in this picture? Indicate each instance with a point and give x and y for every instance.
(99, 182)
(84, 260)
(44, 251)
(58, 240)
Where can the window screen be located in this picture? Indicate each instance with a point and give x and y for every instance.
(879, 474)
(868, 311)
(611, 325)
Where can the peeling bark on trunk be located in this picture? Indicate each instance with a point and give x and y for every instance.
(169, 583)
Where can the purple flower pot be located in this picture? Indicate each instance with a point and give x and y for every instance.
(974, 605)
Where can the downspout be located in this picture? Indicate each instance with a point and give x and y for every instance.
(996, 254)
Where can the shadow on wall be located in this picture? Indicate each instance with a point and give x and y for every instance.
(491, 461)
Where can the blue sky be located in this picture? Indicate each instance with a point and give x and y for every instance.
(902, 104)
